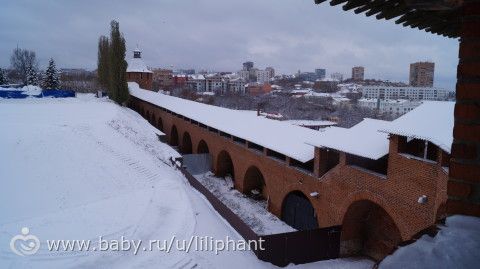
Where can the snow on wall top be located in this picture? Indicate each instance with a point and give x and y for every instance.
(363, 139)
(137, 65)
(432, 121)
(275, 135)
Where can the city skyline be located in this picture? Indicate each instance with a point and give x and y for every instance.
(293, 36)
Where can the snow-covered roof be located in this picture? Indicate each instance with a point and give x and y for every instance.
(311, 122)
(196, 77)
(137, 65)
(278, 136)
(432, 121)
(363, 139)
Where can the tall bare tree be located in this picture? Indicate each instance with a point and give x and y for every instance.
(21, 60)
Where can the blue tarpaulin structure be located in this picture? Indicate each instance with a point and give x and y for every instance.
(16, 94)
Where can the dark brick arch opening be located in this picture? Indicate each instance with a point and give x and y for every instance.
(147, 115)
(152, 119)
(202, 147)
(298, 212)
(225, 165)
(254, 181)
(174, 136)
(160, 124)
(186, 143)
(367, 229)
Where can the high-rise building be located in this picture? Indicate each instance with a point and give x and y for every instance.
(247, 66)
(262, 76)
(422, 74)
(358, 73)
(320, 73)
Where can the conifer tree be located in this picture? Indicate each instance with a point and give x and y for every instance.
(51, 81)
(3, 77)
(31, 76)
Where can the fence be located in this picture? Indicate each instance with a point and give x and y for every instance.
(279, 249)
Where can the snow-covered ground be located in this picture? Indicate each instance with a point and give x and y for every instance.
(457, 245)
(80, 168)
(252, 212)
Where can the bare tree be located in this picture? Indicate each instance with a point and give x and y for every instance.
(21, 60)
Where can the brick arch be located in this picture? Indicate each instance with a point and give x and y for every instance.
(366, 195)
(152, 119)
(298, 211)
(160, 123)
(174, 136)
(186, 147)
(202, 147)
(367, 229)
(253, 179)
(147, 115)
(224, 165)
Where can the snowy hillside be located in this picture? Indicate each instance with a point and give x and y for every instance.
(80, 168)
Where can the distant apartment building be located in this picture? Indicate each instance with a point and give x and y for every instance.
(244, 74)
(321, 73)
(337, 76)
(422, 74)
(236, 85)
(262, 76)
(215, 83)
(163, 77)
(409, 93)
(180, 80)
(394, 107)
(358, 73)
(271, 71)
(196, 83)
(307, 76)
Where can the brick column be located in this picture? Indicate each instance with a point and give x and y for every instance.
(464, 182)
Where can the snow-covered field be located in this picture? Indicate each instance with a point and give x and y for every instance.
(80, 168)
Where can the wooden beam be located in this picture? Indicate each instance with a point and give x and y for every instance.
(337, 2)
(433, 4)
(354, 4)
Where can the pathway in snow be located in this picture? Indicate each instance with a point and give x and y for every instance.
(80, 168)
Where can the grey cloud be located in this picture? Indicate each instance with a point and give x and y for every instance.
(220, 35)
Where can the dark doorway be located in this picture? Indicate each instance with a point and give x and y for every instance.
(298, 212)
(186, 144)
(254, 182)
(368, 230)
(202, 147)
(160, 124)
(225, 165)
(174, 136)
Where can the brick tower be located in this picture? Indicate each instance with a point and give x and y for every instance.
(138, 72)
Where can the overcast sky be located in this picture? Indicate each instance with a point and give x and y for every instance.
(219, 35)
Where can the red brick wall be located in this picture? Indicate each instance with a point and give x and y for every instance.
(396, 194)
(464, 182)
(144, 80)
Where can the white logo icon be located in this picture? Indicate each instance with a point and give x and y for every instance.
(27, 244)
